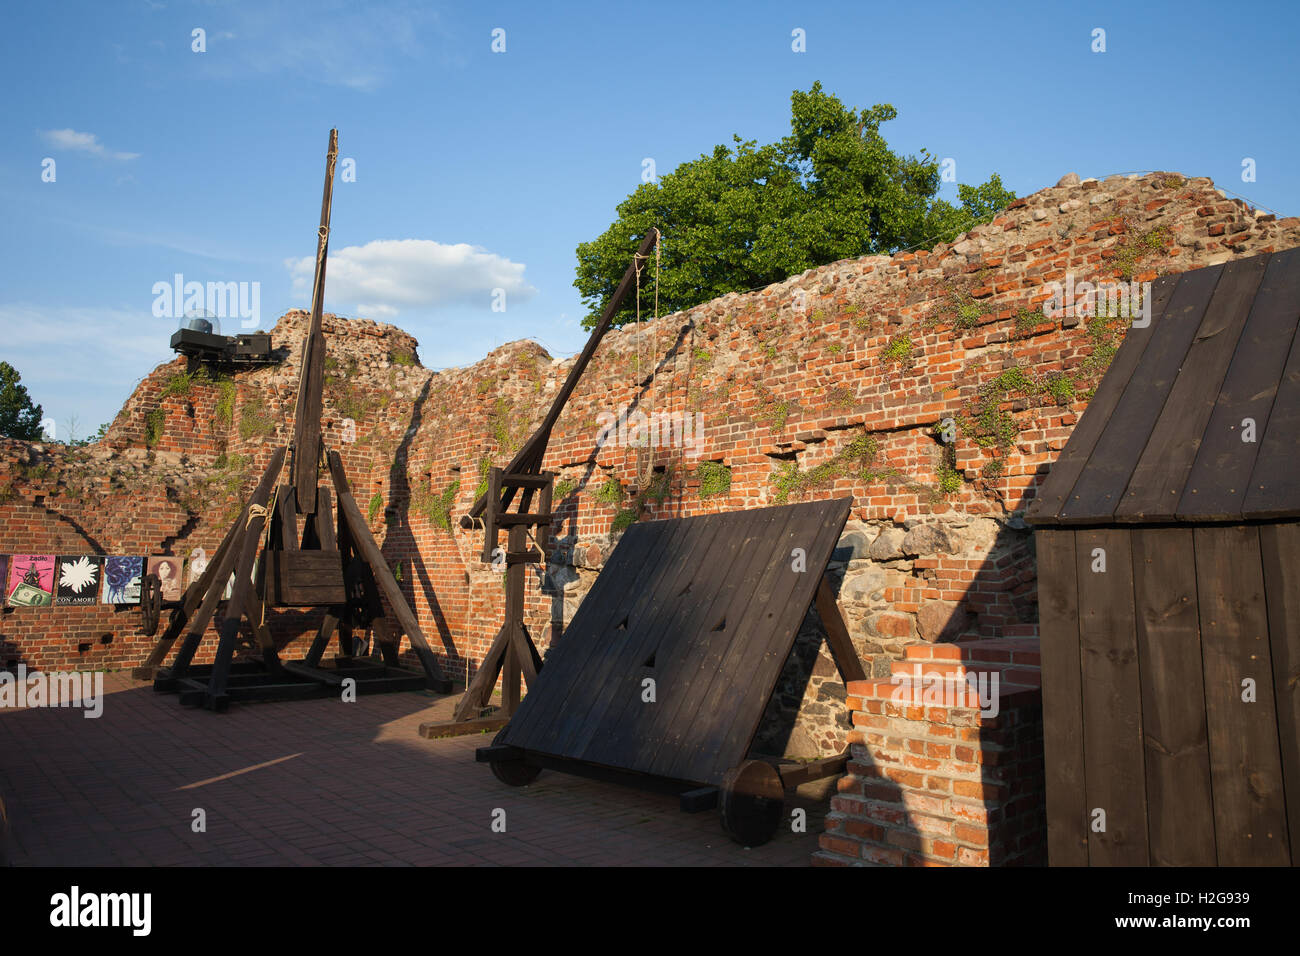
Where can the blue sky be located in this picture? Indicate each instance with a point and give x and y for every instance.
(478, 170)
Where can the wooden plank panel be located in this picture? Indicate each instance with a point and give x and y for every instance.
(1161, 473)
(1058, 626)
(1057, 486)
(1180, 807)
(1112, 692)
(687, 610)
(541, 711)
(751, 673)
(1245, 761)
(1101, 483)
(550, 712)
(1275, 483)
(610, 673)
(697, 660)
(1280, 552)
(543, 703)
(1217, 484)
(701, 567)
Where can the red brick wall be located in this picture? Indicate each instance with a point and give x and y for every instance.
(935, 780)
(787, 376)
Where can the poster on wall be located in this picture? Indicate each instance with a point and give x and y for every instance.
(122, 578)
(77, 578)
(168, 569)
(30, 581)
(198, 564)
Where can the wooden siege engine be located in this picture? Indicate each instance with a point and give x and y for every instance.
(299, 542)
(522, 482)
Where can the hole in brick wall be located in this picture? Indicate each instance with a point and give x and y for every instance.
(83, 647)
(38, 500)
(106, 638)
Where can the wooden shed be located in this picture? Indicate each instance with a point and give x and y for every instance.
(1168, 538)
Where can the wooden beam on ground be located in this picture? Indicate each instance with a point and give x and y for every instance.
(461, 728)
(479, 691)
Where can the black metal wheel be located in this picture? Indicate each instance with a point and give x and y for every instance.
(513, 773)
(752, 802)
(150, 604)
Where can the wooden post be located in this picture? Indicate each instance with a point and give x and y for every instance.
(215, 697)
(306, 424)
(222, 569)
(362, 537)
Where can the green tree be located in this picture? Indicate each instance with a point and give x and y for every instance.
(746, 216)
(19, 418)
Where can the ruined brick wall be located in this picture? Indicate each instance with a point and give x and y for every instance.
(835, 382)
(946, 766)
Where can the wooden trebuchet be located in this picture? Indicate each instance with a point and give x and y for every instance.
(513, 654)
(302, 564)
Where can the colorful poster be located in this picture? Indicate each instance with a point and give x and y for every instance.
(31, 580)
(78, 579)
(122, 578)
(168, 569)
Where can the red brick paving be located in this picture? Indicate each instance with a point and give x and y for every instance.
(361, 787)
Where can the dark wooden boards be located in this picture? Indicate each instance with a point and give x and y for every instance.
(1198, 417)
(708, 609)
(1161, 472)
(1275, 482)
(1217, 485)
(1245, 761)
(304, 578)
(1179, 799)
(1128, 429)
(1056, 488)
(1280, 557)
(1058, 614)
(1112, 695)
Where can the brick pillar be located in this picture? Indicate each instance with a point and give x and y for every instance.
(946, 762)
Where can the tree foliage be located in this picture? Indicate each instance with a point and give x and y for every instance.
(746, 216)
(19, 418)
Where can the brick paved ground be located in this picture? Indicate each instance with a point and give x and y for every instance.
(342, 784)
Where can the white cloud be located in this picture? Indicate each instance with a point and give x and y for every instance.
(388, 275)
(82, 142)
(83, 361)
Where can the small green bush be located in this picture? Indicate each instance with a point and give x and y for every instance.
(715, 478)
